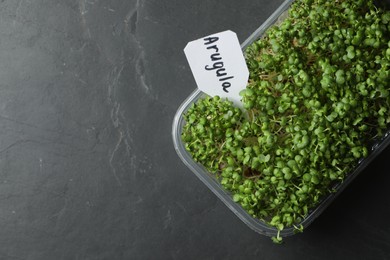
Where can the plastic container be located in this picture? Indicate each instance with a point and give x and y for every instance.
(210, 181)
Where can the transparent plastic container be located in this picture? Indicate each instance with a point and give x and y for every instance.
(213, 184)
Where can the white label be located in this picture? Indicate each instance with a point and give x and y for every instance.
(218, 65)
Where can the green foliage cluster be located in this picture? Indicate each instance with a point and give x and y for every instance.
(318, 94)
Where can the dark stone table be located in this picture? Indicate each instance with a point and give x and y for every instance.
(88, 92)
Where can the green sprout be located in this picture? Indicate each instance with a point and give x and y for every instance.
(316, 99)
